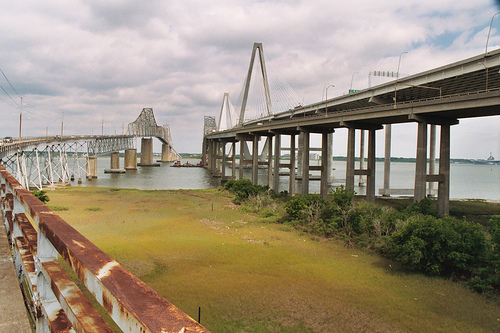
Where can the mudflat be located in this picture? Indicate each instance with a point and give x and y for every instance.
(199, 250)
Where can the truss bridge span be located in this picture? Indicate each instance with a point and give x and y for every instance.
(39, 162)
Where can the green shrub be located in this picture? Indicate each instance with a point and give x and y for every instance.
(41, 195)
(421, 207)
(342, 197)
(446, 247)
(243, 188)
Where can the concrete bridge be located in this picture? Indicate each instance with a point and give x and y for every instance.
(438, 97)
(40, 162)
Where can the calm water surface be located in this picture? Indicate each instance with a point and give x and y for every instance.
(467, 181)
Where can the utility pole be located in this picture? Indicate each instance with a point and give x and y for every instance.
(20, 119)
(62, 125)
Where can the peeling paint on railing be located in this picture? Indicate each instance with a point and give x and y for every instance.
(39, 236)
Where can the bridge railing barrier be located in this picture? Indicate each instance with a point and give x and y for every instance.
(39, 238)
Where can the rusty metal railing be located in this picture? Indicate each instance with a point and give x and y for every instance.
(56, 304)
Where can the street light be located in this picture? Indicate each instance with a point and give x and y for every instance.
(352, 78)
(20, 119)
(487, 40)
(326, 100)
(397, 78)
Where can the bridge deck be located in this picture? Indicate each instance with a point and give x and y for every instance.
(13, 316)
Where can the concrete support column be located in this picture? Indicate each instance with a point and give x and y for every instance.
(270, 161)
(255, 160)
(223, 160)
(166, 153)
(370, 178)
(218, 158)
(131, 159)
(305, 162)
(233, 160)
(444, 171)
(362, 142)
(277, 157)
(291, 185)
(204, 151)
(209, 156)
(329, 162)
(242, 158)
(351, 141)
(421, 163)
(91, 167)
(432, 157)
(300, 154)
(325, 147)
(115, 164)
(387, 161)
(147, 153)
(115, 160)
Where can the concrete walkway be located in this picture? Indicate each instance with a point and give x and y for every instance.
(13, 315)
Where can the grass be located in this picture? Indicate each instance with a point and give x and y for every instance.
(58, 208)
(251, 276)
(93, 208)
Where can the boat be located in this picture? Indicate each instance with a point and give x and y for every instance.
(178, 164)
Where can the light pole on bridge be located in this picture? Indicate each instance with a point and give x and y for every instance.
(487, 39)
(20, 119)
(326, 99)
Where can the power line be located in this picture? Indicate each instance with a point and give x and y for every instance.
(9, 96)
(5, 76)
(12, 106)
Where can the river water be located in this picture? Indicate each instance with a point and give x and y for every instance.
(466, 180)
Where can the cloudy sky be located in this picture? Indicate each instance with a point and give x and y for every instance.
(97, 63)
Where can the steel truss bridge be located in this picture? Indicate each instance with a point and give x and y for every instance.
(39, 162)
(438, 97)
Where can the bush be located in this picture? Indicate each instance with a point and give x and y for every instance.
(422, 207)
(41, 195)
(446, 247)
(342, 197)
(243, 188)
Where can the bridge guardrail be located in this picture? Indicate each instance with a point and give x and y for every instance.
(297, 113)
(39, 237)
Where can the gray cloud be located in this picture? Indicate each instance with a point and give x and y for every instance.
(106, 60)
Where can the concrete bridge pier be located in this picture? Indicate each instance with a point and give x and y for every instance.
(351, 142)
(269, 162)
(91, 167)
(387, 161)
(131, 159)
(223, 160)
(326, 162)
(209, 157)
(305, 159)
(115, 164)
(277, 156)
(233, 159)
(147, 153)
(421, 163)
(166, 153)
(255, 159)
(369, 172)
(291, 185)
(443, 177)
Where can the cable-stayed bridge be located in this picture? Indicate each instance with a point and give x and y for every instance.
(39, 162)
(436, 98)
